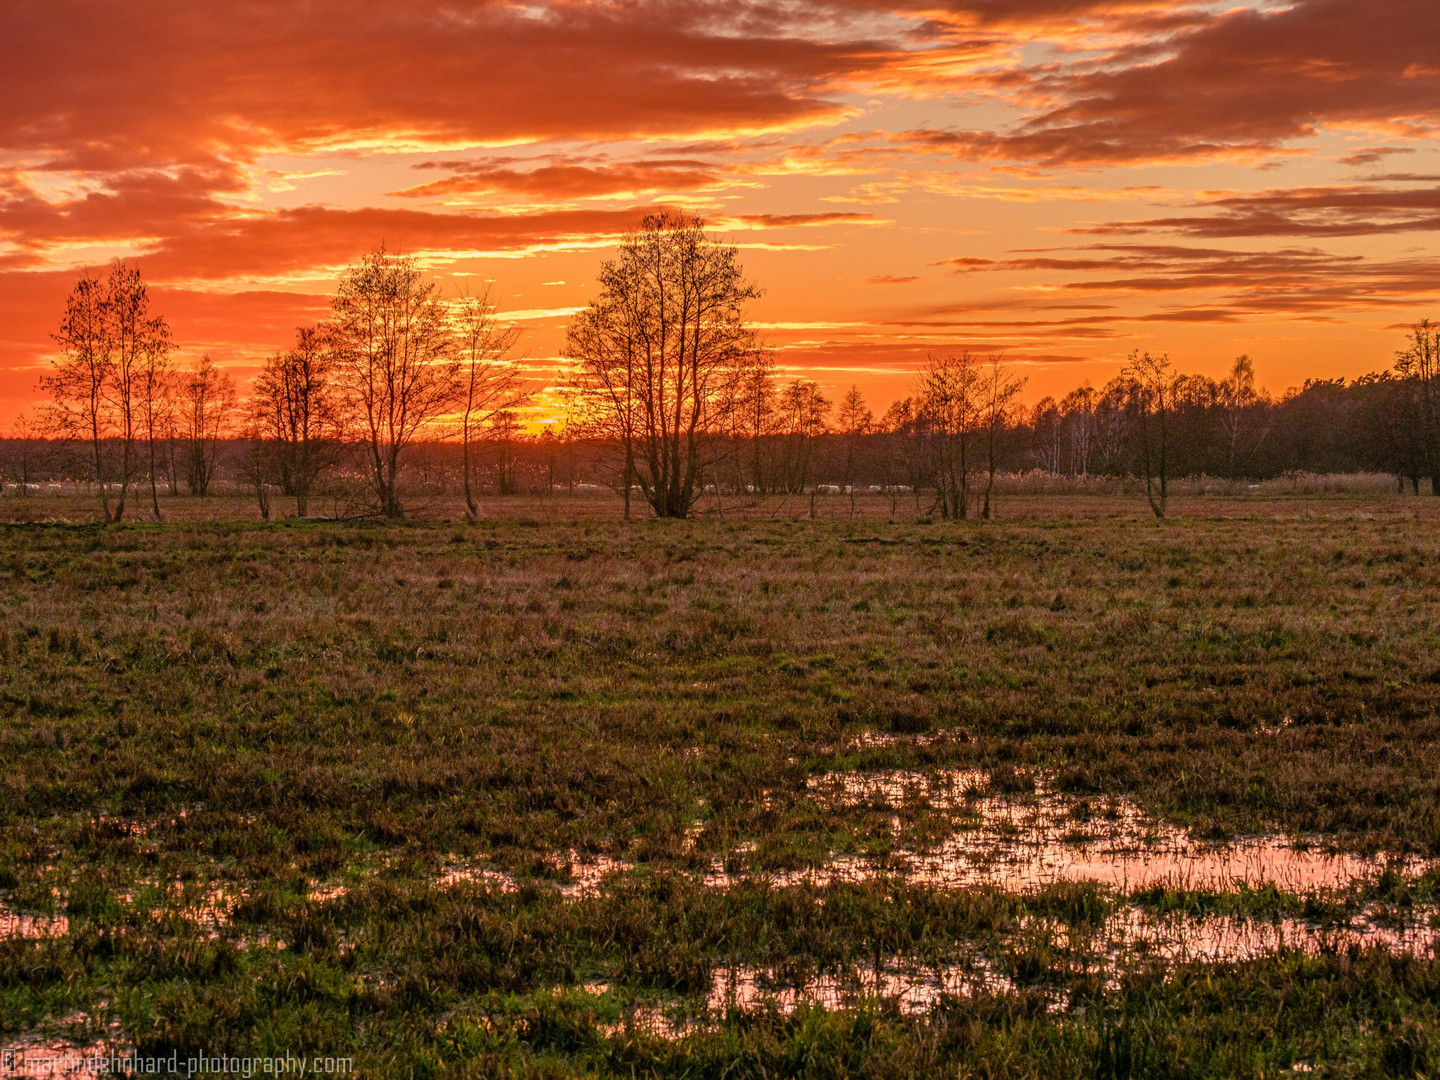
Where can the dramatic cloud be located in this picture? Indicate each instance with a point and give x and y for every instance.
(159, 81)
(566, 181)
(1304, 283)
(292, 241)
(1242, 82)
(785, 221)
(243, 154)
(1356, 210)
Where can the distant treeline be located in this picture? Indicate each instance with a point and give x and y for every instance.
(1371, 424)
(671, 395)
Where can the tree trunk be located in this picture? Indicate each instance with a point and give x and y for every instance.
(100, 476)
(154, 490)
(472, 508)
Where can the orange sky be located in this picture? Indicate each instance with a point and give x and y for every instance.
(1065, 180)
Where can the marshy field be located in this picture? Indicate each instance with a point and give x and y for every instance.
(1074, 792)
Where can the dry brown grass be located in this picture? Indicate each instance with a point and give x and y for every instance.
(324, 699)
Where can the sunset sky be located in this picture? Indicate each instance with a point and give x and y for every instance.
(1063, 180)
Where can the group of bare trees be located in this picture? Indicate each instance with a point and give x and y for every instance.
(114, 389)
(669, 378)
(396, 361)
(773, 431)
(948, 436)
(669, 370)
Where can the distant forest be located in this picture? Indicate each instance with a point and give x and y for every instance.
(671, 396)
(1369, 424)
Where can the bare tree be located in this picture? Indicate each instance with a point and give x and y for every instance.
(1078, 409)
(156, 383)
(854, 421)
(295, 415)
(139, 343)
(803, 409)
(658, 355)
(489, 379)
(79, 407)
(1152, 396)
(258, 459)
(503, 428)
(208, 397)
(904, 455)
(20, 459)
(950, 395)
(1046, 424)
(106, 385)
(755, 415)
(999, 389)
(604, 404)
(1238, 398)
(395, 362)
(1419, 364)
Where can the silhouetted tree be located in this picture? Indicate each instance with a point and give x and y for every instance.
(396, 367)
(489, 379)
(1238, 399)
(854, 421)
(296, 420)
(659, 353)
(1419, 364)
(107, 385)
(21, 450)
(1152, 393)
(803, 410)
(755, 415)
(208, 399)
(999, 389)
(1047, 426)
(503, 428)
(903, 455)
(950, 404)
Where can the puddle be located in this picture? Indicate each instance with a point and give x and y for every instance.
(585, 877)
(477, 875)
(210, 909)
(875, 740)
(914, 990)
(1016, 844)
(34, 927)
(648, 1020)
(31, 1057)
(143, 830)
(323, 893)
(1022, 844)
(947, 789)
(1130, 939)
(1220, 939)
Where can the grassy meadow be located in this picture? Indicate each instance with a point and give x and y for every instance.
(243, 761)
